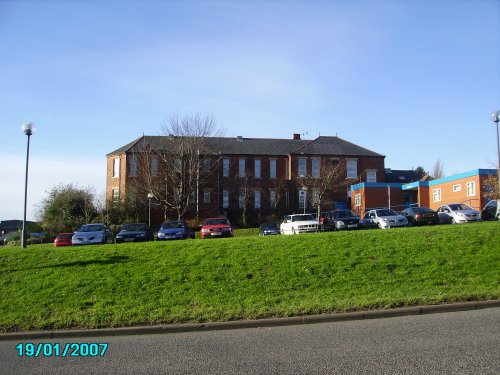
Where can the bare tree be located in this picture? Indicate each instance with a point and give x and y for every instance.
(174, 169)
(438, 169)
(320, 189)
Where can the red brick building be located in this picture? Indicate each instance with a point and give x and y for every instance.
(258, 176)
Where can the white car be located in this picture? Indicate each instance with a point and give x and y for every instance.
(301, 223)
(385, 218)
(458, 213)
(92, 234)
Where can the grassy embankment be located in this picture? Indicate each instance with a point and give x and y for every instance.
(42, 287)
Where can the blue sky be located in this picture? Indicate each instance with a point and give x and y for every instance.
(413, 80)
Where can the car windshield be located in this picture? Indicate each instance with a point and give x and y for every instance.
(342, 214)
(92, 228)
(269, 226)
(386, 213)
(134, 228)
(172, 225)
(302, 217)
(216, 221)
(459, 207)
(422, 210)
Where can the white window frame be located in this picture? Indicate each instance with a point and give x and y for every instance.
(225, 167)
(241, 199)
(241, 167)
(257, 168)
(436, 195)
(457, 188)
(470, 188)
(302, 170)
(133, 166)
(225, 198)
(115, 192)
(257, 199)
(371, 175)
(206, 196)
(352, 168)
(302, 198)
(154, 166)
(116, 167)
(272, 197)
(316, 168)
(272, 168)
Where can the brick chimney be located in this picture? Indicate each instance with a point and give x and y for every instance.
(296, 136)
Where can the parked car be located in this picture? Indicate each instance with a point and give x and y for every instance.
(300, 223)
(268, 229)
(490, 211)
(457, 213)
(384, 218)
(216, 227)
(134, 233)
(174, 230)
(63, 239)
(341, 219)
(92, 234)
(420, 215)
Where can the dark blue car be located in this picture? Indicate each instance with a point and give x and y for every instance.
(174, 230)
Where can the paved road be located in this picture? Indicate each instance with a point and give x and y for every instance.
(466, 342)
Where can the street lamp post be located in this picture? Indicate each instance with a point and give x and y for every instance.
(495, 118)
(150, 196)
(28, 129)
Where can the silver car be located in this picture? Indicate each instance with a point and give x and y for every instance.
(458, 213)
(385, 218)
(92, 234)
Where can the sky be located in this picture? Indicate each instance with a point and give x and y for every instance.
(413, 80)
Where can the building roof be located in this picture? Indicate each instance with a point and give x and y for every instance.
(401, 175)
(261, 146)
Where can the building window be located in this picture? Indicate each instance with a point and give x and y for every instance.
(116, 167)
(302, 167)
(116, 195)
(225, 198)
(371, 176)
(206, 196)
(225, 167)
(206, 165)
(471, 188)
(352, 168)
(272, 168)
(315, 168)
(302, 198)
(357, 200)
(257, 168)
(154, 167)
(272, 198)
(257, 199)
(436, 195)
(241, 169)
(457, 188)
(133, 166)
(241, 199)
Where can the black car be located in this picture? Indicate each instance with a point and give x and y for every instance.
(134, 232)
(268, 229)
(420, 215)
(340, 220)
(490, 211)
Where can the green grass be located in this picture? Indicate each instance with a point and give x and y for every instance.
(247, 276)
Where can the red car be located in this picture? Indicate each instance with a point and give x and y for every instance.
(216, 227)
(63, 239)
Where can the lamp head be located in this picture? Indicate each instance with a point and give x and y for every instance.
(28, 128)
(495, 116)
(150, 196)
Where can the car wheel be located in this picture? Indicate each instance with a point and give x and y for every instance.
(452, 221)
